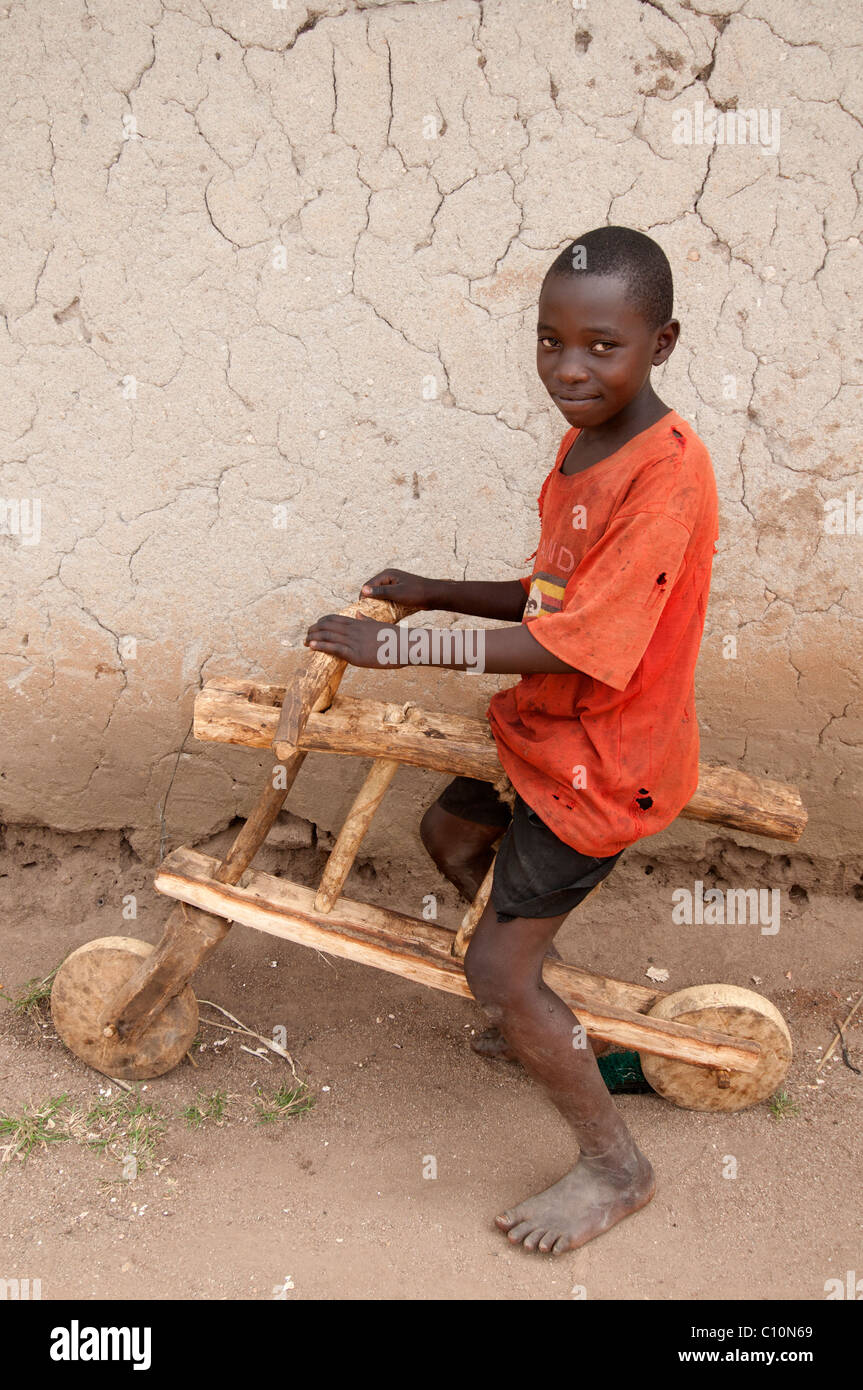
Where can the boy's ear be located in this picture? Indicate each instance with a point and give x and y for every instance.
(666, 341)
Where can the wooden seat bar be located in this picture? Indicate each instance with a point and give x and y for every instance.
(247, 713)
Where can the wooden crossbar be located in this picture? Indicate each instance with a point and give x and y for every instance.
(247, 713)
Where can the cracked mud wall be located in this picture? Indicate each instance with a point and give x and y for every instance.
(256, 257)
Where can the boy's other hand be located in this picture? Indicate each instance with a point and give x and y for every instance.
(359, 641)
(397, 586)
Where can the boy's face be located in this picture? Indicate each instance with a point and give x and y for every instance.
(592, 344)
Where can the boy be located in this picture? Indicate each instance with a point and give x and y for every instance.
(599, 737)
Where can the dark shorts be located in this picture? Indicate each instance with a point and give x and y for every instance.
(535, 873)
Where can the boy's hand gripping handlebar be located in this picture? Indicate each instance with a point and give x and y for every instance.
(314, 687)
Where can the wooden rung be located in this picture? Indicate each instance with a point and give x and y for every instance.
(246, 712)
(471, 917)
(357, 822)
(421, 952)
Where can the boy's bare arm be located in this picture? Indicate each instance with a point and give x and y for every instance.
(365, 642)
(503, 599)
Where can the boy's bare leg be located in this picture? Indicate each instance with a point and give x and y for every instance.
(460, 848)
(612, 1177)
(462, 851)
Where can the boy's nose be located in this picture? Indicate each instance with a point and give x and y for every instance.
(571, 370)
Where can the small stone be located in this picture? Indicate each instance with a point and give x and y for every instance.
(657, 975)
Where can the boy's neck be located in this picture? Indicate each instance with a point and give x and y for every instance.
(593, 445)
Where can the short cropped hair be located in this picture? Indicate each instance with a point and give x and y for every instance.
(636, 258)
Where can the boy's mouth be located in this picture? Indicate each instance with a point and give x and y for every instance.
(573, 400)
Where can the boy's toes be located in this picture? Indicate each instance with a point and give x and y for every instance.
(535, 1239)
(518, 1233)
(549, 1243)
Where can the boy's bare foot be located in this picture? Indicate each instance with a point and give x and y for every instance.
(492, 1044)
(588, 1200)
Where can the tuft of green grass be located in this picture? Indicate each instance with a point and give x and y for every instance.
(33, 996)
(285, 1102)
(781, 1106)
(125, 1127)
(206, 1108)
(35, 1128)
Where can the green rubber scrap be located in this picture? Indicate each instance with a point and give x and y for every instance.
(621, 1071)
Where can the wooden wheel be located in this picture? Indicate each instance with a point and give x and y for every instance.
(728, 1009)
(83, 989)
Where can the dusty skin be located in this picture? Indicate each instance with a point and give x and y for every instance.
(612, 1178)
(586, 1202)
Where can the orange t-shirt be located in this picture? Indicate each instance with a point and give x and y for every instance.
(619, 590)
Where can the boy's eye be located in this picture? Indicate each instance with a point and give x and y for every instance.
(601, 348)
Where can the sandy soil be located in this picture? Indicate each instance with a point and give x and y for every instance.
(334, 1203)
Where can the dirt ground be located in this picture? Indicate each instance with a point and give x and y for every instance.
(333, 1203)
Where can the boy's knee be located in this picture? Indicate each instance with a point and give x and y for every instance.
(430, 833)
(437, 837)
